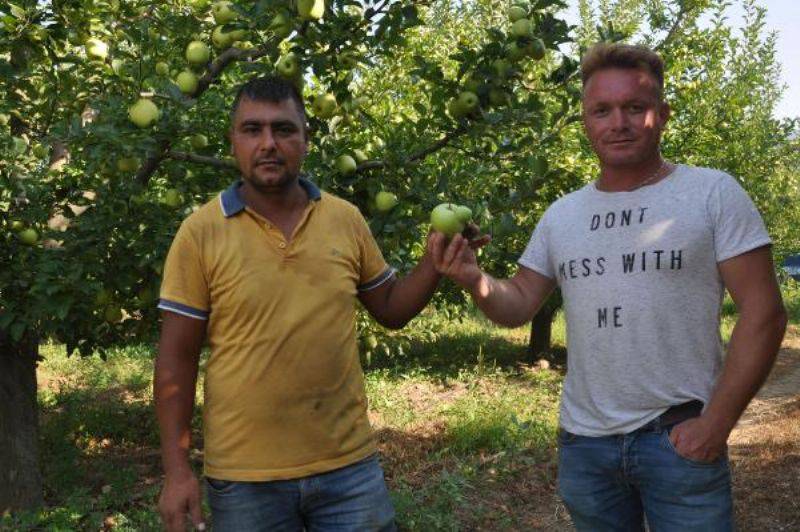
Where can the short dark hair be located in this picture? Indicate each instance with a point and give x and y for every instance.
(273, 89)
(619, 55)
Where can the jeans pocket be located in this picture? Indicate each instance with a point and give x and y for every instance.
(668, 444)
(220, 487)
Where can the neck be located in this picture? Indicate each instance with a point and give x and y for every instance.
(276, 202)
(629, 177)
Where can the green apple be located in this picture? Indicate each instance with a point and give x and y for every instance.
(360, 156)
(385, 201)
(281, 26)
(536, 49)
(288, 65)
(199, 141)
(96, 49)
(41, 151)
(172, 198)
(143, 113)
(162, 69)
(463, 213)
(455, 109)
(445, 220)
(19, 145)
(516, 13)
(29, 236)
(221, 38)
(346, 165)
(521, 28)
(127, 164)
(187, 82)
(324, 105)
(17, 225)
(198, 53)
(4, 119)
(223, 12)
(310, 9)
(468, 101)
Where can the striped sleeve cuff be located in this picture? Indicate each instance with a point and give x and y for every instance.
(183, 310)
(387, 274)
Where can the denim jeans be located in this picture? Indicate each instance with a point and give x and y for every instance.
(353, 498)
(615, 482)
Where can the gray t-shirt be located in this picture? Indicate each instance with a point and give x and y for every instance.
(642, 292)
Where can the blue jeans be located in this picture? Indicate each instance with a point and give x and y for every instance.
(615, 482)
(353, 498)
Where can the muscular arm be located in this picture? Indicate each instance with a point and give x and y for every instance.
(756, 338)
(174, 387)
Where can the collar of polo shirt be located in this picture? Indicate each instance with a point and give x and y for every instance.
(232, 202)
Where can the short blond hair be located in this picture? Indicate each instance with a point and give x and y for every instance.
(619, 55)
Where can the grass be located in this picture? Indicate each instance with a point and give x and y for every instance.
(466, 432)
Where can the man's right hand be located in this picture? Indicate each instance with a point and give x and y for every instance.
(456, 259)
(180, 496)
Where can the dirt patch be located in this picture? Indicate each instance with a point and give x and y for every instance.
(765, 449)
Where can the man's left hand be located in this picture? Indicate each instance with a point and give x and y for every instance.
(699, 439)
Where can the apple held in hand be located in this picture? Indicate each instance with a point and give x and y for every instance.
(385, 201)
(444, 218)
(143, 113)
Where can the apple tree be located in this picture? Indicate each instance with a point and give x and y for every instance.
(113, 123)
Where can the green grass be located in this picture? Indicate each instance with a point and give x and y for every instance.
(458, 418)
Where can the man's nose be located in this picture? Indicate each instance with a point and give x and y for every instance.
(267, 140)
(619, 120)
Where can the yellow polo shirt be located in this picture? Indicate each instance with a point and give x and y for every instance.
(284, 390)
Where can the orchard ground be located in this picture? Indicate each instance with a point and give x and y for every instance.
(466, 433)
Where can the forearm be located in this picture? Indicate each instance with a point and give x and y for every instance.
(751, 353)
(174, 390)
(409, 295)
(503, 302)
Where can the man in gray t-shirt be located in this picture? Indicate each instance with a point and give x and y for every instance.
(643, 257)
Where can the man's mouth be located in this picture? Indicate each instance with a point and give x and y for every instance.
(269, 163)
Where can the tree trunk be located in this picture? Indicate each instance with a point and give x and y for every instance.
(20, 478)
(541, 328)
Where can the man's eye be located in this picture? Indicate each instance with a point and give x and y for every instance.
(600, 111)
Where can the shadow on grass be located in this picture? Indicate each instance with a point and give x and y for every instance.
(449, 354)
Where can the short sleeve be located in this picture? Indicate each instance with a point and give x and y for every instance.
(537, 253)
(373, 270)
(737, 224)
(184, 288)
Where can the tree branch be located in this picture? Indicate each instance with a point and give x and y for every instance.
(684, 11)
(438, 145)
(201, 159)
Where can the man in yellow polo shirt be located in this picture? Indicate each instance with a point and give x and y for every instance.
(269, 274)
